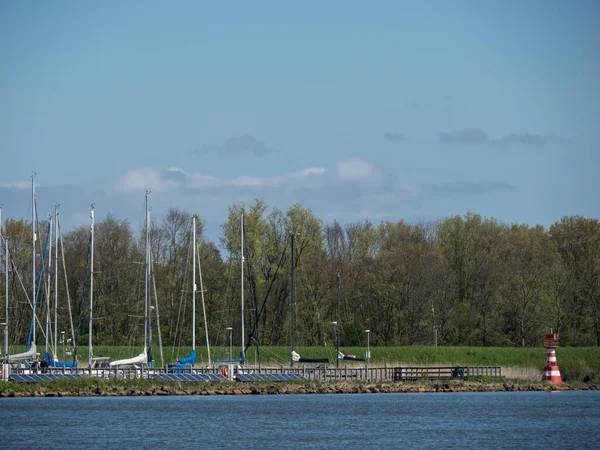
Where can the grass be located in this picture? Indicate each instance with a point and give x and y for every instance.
(80, 384)
(575, 362)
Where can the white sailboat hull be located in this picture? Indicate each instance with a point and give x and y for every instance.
(29, 354)
(142, 358)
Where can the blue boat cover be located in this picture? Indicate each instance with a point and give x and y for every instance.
(52, 363)
(191, 359)
(234, 361)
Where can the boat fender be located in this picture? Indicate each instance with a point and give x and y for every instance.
(224, 371)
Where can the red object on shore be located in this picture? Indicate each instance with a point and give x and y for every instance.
(551, 371)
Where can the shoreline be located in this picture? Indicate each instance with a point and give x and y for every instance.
(270, 388)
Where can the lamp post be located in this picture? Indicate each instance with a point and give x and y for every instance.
(337, 343)
(5, 374)
(368, 355)
(5, 326)
(62, 341)
(230, 348)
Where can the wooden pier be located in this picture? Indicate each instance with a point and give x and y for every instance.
(313, 373)
(444, 373)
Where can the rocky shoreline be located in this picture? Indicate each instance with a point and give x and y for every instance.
(178, 389)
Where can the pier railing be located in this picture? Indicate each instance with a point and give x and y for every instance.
(444, 373)
(316, 373)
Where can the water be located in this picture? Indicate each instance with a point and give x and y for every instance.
(569, 419)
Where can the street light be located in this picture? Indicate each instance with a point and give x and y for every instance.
(368, 355)
(62, 341)
(5, 325)
(337, 344)
(230, 348)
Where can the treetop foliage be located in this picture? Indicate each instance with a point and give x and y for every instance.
(462, 280)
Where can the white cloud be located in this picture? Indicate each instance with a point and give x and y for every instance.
(237, 145)
(349, 190)
(143, 178)
(357, 170)
(16, 185)
(310, 171)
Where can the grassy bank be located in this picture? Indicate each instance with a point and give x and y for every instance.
(575, 363)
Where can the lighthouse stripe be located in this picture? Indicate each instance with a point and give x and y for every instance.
(552, 373)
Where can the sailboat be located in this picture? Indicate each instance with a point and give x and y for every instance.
(142, 358)
(190, 361)
(90, 272)
(242, 356)
(53, 361)
(31, 350)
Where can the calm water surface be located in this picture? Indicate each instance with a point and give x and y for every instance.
(442, 420)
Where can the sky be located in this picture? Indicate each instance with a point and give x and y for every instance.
(356, 110)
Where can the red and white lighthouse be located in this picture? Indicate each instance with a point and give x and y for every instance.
(551, 371)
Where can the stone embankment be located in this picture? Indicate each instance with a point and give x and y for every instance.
(281, 388)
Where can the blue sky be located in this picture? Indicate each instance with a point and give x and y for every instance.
(384, 111)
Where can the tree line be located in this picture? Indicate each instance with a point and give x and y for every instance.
(462, 280)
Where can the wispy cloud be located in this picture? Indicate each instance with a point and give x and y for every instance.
(349, 189)
(530, 140)
(394, 137)
(15, 184)
(467, 136)
(237, 146)
(476, 136)
(415, 107)
(143, 178)
(357, 170)
(471, 188)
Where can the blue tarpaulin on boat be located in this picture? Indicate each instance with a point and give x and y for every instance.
(52, 363)
(191, 359)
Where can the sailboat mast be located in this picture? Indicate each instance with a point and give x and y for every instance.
(62, 254)
(146, 284)
(292, 300)
(33, 251)
(55, 280)
(160, 346)
(7, 259)
(90, 353)
(149, 359)
(194, 284)
(204, 310)
(48, 286)
(242, 285)
(338, 324)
